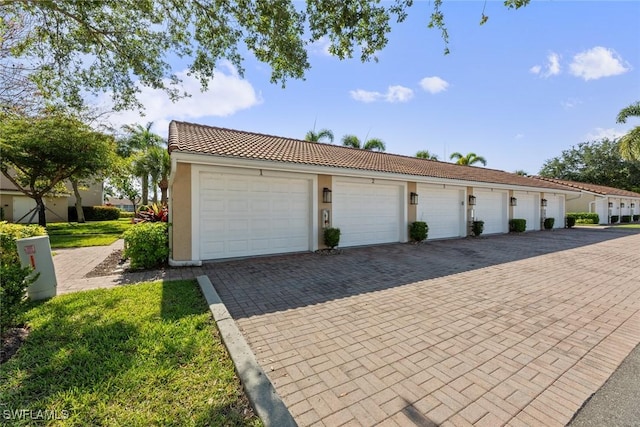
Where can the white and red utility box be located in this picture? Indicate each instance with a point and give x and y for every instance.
(35, 252)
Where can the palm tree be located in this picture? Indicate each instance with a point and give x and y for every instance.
(159, 163)
(425, 154)
(630, 143)
(139, 140)
(373, 144)
(314, 136)
(467, 160)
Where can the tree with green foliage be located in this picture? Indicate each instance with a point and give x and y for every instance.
(38, 153)
(373, 144)
(62, 34)
(630, 143)
(314, 136)
(468, 160)
(425, 154)
(596, 162)
(138, 142)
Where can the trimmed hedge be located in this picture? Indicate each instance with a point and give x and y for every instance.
(584, 217)
(625, 218)
(332, 237)
(614, 219)
(570, 221)
(517, 225)
(14, 279)
(418, 231)
(477, 228)
(95, 213)
(548, 223)
(636, 218)
(147, 244)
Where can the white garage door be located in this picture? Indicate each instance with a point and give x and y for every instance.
(555, 209)
(23, 210)
(528, 208)
(491, 207)
(442, 210)
(242, 215)
(366, 213)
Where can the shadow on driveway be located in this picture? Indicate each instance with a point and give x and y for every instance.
(258, 286)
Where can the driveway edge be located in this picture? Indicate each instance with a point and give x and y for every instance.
(261, 393)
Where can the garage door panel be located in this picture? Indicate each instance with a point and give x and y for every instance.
(526, 209)
(366, 213)
(248, 215)
(440, 208)
(491, 208)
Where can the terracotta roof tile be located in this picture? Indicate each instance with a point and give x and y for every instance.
(593, 188)
(215, 141)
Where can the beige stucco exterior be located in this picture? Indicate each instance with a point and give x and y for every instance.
(180, 213)
(412, 212)
(324, 181)
(10, 195)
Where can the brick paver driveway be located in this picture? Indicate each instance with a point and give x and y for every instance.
(513, 329)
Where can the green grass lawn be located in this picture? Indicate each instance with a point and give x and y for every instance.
(93, 233)
(627, 226)
(138, 355)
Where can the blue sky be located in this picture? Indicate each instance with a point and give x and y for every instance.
(517, 90)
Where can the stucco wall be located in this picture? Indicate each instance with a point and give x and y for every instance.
(324, 181)
(181, 213)
(580, 204)
(412, 211)
(56, 204)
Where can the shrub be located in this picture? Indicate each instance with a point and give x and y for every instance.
(147, 244)
(125, 214)
(95, 213)
(517, 225)
(477, 227)
(614, 219)
(331, 237)
(14, 279)
(570, 221)
(548, 223)
(625, 218)
(584, 217)
(636, 218)
(418, 231)
(153, 213)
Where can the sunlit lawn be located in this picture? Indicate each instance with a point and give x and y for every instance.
(93, 233)
(139, 355)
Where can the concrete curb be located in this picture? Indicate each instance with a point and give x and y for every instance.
(260, 391)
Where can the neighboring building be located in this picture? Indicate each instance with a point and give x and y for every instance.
(606, 201)
(236, 193)
(16, 207)
(122, 204)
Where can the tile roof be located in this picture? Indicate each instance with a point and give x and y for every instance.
(593, 188)
(214, 141)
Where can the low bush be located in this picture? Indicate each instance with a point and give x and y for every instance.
(477, 228)
(625, 218)
(147, 244)
(570, 221)
(418, 231)
(548, 223)
(125, 214)
(153, 213)
(636, 218)
(332, 237)
(614, 219)
(14, 279)
(95, 213)
(584, 217)
(517, 225)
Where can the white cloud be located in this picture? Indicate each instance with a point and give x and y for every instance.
(394, 94)
(321, 46)
(570, 103)
(551, 68)
(601, 133)
(596, 63)
(227, 94)
(519, 135)
(434, 84)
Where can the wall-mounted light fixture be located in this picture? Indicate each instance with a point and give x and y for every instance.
(513, 201)
(621, 204)
(543, 203)
(326, 195)
(413, 198)
(610, 204)
(472, 200)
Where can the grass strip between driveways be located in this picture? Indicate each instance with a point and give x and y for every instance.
(139, 355)
(92, 233)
